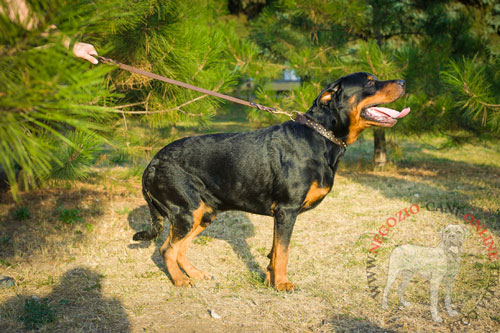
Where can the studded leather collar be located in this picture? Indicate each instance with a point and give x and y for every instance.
(301, 118)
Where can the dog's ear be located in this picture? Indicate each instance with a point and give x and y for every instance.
(329, 93)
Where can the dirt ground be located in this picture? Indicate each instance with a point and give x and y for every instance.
(94, 278)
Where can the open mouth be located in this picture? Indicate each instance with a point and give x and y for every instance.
(384, 117)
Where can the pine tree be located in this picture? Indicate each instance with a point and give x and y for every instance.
(47, 96)
(56, 109)
(176, 39)
(447, 51)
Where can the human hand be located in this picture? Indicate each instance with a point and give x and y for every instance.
(85, 51)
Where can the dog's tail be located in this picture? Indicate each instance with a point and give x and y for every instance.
(157, 209)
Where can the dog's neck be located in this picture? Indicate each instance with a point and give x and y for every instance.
(330, 118)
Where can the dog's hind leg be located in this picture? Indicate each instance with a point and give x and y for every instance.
(180, 225)
(184, 228)
(406, 278)
(201, 218)
(392, 275)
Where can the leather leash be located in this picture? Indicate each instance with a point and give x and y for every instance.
(300, 118)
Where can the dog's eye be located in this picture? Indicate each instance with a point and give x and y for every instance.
(370, 83)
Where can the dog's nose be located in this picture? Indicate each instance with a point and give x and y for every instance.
(402, 83)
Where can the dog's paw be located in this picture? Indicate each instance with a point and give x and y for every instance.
(199, 275)
(453, 313)
(184, 282)
(405, 304)
(285, 286)
(385, 306)
(436, 318)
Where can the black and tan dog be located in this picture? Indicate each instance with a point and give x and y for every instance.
(278, 171)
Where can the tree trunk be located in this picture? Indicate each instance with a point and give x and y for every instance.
(379, 148)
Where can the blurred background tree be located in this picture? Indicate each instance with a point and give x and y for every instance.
(447, 51)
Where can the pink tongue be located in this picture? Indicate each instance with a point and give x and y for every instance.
(390, 112)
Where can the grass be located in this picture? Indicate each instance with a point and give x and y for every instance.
(203, 240)
(69, 216)
(37, 313)
(22, 213)
(92, 277)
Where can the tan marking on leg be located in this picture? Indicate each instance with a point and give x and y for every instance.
(198, 227)
(314, 194)
(276, 271)
(182, 260)
(170, 258)
(174, 252)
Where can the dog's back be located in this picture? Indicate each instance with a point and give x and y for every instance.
(418, 259)
(241, 171)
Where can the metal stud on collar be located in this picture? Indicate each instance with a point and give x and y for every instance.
(302, 119)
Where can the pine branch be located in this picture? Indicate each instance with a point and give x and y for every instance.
(75, 154)
(203, 62)
(370, 63)
(128, 105)
(472, 95)
(177, 108)
(233, 52)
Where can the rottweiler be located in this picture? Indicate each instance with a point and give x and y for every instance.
(280, 171)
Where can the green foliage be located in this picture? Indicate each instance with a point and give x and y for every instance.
(47, 94)
(177, 39)
(73, 159)
(472, 85)
(22, 213)
(4, 240)
(4, 263)
(89, 227)
(69, 216)
(436, 46)
(203, 240)
(37, 312)
(57, 109)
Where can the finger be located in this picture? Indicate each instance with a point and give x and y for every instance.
(90, 58)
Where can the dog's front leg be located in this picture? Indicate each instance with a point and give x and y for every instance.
(435, 284)
(284, 220)
(406, 278)
(447, 298)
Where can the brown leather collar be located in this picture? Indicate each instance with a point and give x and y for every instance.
(301, 118)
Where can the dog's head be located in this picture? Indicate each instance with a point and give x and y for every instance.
(453, 237)
(349, 105)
